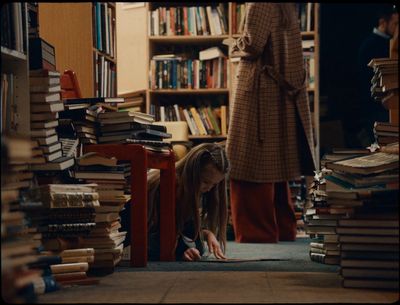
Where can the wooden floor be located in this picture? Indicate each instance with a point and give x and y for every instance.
(218, 287)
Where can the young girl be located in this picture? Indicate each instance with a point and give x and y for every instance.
(201, 207)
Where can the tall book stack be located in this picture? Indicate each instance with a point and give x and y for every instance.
(46, 104)
(63, 214)
(369, 238)
(320, 223)
(385, 88)
(18, 243)
(112, 178)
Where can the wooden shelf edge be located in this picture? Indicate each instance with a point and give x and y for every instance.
(13, 54)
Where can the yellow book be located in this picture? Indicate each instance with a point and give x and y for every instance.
(223, 120)
(198, 121)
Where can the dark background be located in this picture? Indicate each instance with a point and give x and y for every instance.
(343, 26)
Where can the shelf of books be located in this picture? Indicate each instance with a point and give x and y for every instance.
(188, 66)
(85, 39)
(14, 69)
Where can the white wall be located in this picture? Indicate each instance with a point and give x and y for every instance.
(131, 28)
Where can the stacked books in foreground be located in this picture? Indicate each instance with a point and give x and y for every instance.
(369, 236)
(19, 282)
(63, 214)
(113, 180)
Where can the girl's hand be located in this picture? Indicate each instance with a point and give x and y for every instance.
(191, 254)
(213, 245)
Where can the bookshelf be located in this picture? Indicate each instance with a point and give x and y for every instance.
(15, 108)
(165, 41)
(84, 36)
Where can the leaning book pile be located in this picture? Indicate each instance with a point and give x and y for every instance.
(113, 180)
(369, 238)
(20, 283)
(63, 214)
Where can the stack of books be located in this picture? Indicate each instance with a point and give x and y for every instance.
(63, 214)
(118, 126)
(18, 242)
(79, 121)
(70, 266)
(113, 180)
(369, 239)
(386, 133)
(46, 104)
(385, 82)
(320, 223)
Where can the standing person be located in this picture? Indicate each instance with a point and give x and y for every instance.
(270, 138)
(375, 45)
(201, 207)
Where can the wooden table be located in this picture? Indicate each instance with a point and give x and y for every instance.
(142, 159)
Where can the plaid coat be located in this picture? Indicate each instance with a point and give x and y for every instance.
(270, 134)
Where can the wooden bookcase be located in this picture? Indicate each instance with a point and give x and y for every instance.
(15, 64)
(72, 29)
(156, 45)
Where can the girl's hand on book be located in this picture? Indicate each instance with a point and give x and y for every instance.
(191, 254)
(213, 245)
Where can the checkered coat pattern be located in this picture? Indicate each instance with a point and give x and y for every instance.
(270, 133)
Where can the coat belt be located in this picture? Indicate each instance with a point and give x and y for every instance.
(289, 89)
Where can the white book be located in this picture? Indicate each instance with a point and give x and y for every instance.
(45, 97)
(47, 107)
(178, 115)
(51, 148)
(210, 20)
(43, 81)
(48, 140)
(162, 113)
(217, 23)
(53, 156)
(189, 122)
(43, 132)
(45, 89)
(211, 53)
(46, 124)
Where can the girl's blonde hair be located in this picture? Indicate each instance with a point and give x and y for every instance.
(189, 172)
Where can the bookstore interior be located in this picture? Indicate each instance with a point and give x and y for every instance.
(98, 96)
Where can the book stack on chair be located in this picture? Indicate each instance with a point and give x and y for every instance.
(120, 126)
(320, 223)
(45, 106)
(18, 243)
(63, 214)
(113, 180)
(80, 116)
(369, 238)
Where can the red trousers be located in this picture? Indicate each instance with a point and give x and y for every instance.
(262, 212)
